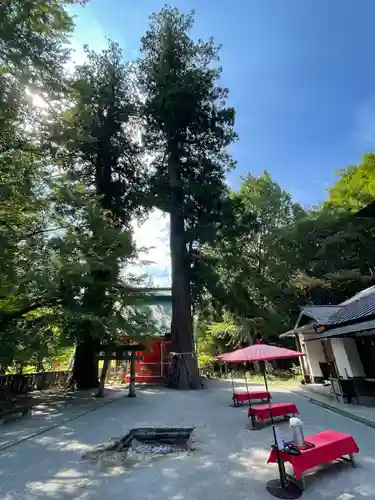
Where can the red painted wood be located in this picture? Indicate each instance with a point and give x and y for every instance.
(245, 396)
(262, 412)
(328, 446)
(154, 365)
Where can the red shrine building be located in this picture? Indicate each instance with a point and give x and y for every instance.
(153, 365)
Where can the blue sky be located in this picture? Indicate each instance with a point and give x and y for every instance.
(301, 76)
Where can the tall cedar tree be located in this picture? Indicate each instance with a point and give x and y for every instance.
(187, 130)
(101, 151)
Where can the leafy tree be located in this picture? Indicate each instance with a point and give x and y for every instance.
(259, 278)
(75, 177)
(328, 256)
(33, 41)
(355, 187)
(99, 152)
(187, 130)
(248, 278)
(329, 252)
(31, 54)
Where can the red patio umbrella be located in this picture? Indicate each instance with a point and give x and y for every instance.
(231, 377)
(258, 352)
(280, 488)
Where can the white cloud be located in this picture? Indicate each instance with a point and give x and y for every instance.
(154, 235)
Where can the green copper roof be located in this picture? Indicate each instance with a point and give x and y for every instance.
(160, 314)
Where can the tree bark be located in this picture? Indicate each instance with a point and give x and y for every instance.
(131, 393)
(85, 368)
(183, 373)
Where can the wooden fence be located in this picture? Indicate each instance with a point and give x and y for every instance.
(27, 382)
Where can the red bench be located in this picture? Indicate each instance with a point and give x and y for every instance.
(328, 446)
(240, 397)
(263, 412)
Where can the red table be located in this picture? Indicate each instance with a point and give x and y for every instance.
(263, 412)
(248, 396)
(329, 446)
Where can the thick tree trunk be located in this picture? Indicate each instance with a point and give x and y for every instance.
(85, 368)
(183, 372)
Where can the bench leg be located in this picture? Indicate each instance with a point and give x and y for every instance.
(349, 459)
(259, 424)
(253, 422)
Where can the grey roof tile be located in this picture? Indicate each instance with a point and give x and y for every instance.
(360, 306)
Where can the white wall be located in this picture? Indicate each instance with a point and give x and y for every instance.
(314, 356)
(347, 358)
(341, 358)
(353, 357)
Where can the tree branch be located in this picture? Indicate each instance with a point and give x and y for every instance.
(6, 318)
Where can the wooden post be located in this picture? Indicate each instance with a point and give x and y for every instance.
(100, 393)
(162, 358)
(301, 361)
(132, 393)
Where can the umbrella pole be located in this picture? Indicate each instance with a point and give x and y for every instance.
(231, 377)
(279, 488)
(247, 387)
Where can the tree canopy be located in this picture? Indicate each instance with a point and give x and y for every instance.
(293, 256)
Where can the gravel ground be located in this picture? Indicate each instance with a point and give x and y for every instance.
(229, 461)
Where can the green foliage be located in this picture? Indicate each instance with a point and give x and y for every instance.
(74, 175)
(290, 257)
(32, 42)
(28, 50)
(355, 187)
(98, 141)
(330, 256)
(245, 275)
(206, 362)
(97, 196)
(70, 183)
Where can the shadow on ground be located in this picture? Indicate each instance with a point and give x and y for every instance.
(229, 461)
(54, 409)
